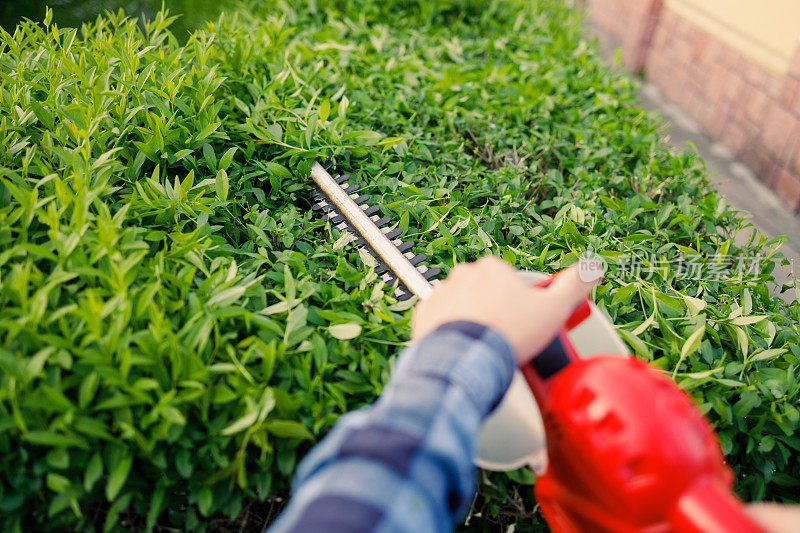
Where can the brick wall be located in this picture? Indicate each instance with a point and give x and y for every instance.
(632, 21)
(752, 111)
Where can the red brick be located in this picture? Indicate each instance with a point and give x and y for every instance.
(667, 21)
(754, 156)
(730, 58)
(660, 38)
(699, 46)
(685, 95)
(787, 158)
(734, 86)
(681, 52)
(682, 29)
(720, 119)
(776, 128)
(717, 81)
(788, 93)
(754, 73)
(708, 113)
(796, 164)
(794, 66)
(773, 85)
(733, 136)
(711, 54)
(787, 185)
(674, 84)
(754, 104)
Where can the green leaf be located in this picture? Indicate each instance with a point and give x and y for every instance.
(277, 170)
(207, 131)
(324, 110)
(227, 296)
(227, 158)
(50, 438)
(205, 501)
(766, 355)
(88, 389)
(117, 477)
(288, 429)
(57, 482)
(180, 154)
(695, 305)
(345, 331)
(43, 114)
(690, 346)
(184, 464)
(747, 320)
(222, 185)
(342, 241)
(241, 424)
(114, 511)
(156, 506)
(93, 471)
(367, 258)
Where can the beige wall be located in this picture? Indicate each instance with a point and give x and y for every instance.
(767, 31)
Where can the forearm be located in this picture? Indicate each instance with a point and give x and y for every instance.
(405, 463)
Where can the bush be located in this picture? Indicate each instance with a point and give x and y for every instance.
(166, 296)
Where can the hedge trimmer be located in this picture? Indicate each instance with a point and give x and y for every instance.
(625, 450)
(348, 211)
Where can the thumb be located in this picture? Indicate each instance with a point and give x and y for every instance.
(571, 287)
(576, 281)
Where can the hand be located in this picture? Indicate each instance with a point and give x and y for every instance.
(776, 518)
(491, 292)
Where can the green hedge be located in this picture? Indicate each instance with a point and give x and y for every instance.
(167, 298)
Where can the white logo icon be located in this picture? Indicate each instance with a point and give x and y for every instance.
(591, 266)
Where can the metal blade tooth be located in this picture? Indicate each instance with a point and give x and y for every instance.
(333, 216)
(370, 210)
(392, 233)
(402, 246)
(432, 272)
(388, 277)
(327, 165)
(380, 221)
(342, 226)
(360, 199)
(323, 204)
(350, 188)
(402, 295)
(416, 259)
(340, 178)
(382, 267)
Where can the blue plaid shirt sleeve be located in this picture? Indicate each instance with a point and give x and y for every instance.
(404, 463)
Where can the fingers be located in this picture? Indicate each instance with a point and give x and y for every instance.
(775, 518)
(491, 292)
(569, 286)
(560, 299)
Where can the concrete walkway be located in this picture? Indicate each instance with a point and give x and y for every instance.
(743, 190)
